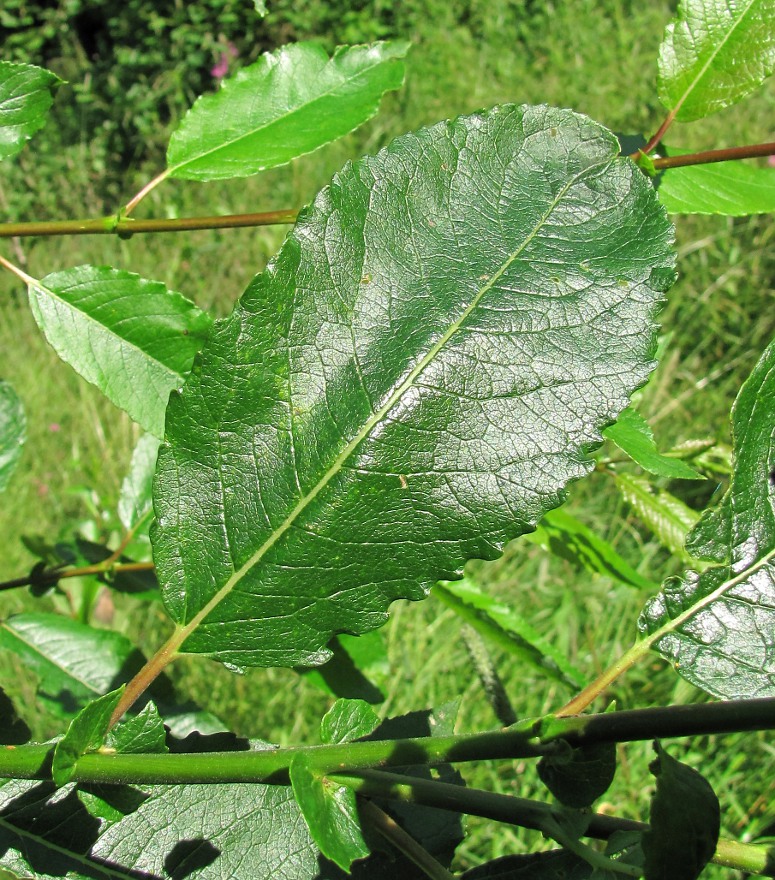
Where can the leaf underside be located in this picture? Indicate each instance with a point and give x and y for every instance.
(13, 432)
(26, 96)
(715, 53)
(717, 626)
(410, 383)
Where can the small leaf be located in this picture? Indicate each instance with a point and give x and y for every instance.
(13, 431)
(331, 813)
(716, 627)
(667, 516)
(715, 53)
(684, 823)
(578, 777)
(567, 537)
(143, 733)
(134, 503)
(411, 382)
(633, 435)
(288, 103)
(347, 720)
(26, 95)
(507, 628)
(75, 662)
(87, 732)
(735, 189)
(132, 338)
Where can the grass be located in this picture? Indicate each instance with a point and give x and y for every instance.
(596, 58)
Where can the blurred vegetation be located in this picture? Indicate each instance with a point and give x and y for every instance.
(133, 69)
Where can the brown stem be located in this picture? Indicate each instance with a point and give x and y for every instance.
(53, 575)
(659, 134)
(152, 184)
(707, 157)
(128, 226)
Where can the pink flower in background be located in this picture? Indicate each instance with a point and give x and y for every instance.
(221, 67)
(771, 161)
(54, 427)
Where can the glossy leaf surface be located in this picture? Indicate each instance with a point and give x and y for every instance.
(684, 822)
(507, 628)
(86, 732)
(288, 103)
(347, 720)
(26, 95)
(735, 189)
(633, 435)
(716, 627)
(142, 733)
(565, 536)
(132, 338)
(13, 432)
(714, 54)
(411, 382)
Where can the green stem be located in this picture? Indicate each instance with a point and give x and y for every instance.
(405, 843)
(554, 831)
(595, 688)
(126, 226)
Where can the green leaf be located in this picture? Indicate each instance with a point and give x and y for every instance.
(633, 435)
(74, 662)
(87, 732)
(410, 383)
(144, 733)
(288, 103)
(507, 628)
(714, 54)
(578, 777)
(26, 95)
(685, 820)
(347, 720)
(132, 338)
(553, 865)
(331, 813)
(13, 432)
(134, 503)
(110, 802)
(567, 537)
(716, 627)
(735, 189)
(667, 516)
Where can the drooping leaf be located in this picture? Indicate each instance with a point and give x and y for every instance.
(667, 516)
(507, 628)
(26, 95)
(633, 435)
(684, 822)
(716, 627)
(288, 103)
(411, 382)
(13, 432)
(331, 813)
(132, 338)
(75, 662)
(357, 670)
(567, 537)
(347, 720)
(87, 731)
(579, 776)
(553, 865)
(134, 503)
(715, 53)
(735, 189)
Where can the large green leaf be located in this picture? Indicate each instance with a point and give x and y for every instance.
(716, 627)
(732, 188)
(714, 54)
(132, 338)
(411, 382)
(26, 95)
(13, 432)
(288, 103)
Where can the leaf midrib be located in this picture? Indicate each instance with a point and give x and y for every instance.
(267, 125)
(712, 57)
(183, 631)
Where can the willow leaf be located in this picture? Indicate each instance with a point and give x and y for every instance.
(716, 627)
(131, 337)
(13, 432)
(288, 103)
(410, 383)
(26, 95)
(714, 54)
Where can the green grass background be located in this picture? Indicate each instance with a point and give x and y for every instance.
(598, 58)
